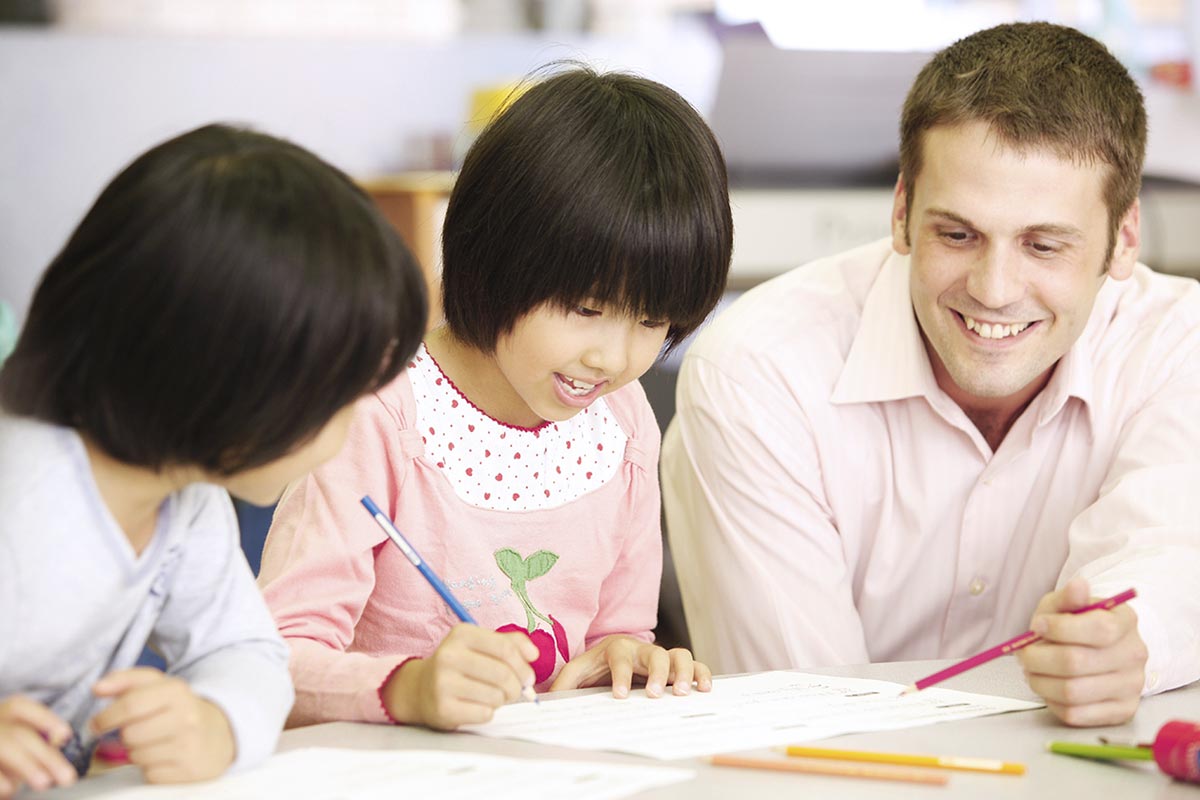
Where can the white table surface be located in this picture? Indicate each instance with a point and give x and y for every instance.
(1020, 736)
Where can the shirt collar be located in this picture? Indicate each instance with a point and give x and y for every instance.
(1076, 372)
(888, 361)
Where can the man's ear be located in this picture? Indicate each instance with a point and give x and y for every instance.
(1128, 243)
(900, 242)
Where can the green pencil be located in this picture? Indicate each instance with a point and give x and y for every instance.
(1104, 752)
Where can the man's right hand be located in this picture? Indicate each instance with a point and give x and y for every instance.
(472, 673)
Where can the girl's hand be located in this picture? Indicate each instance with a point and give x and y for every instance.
(172, 735)
(472, 673)
(30, 735)
(622, 657)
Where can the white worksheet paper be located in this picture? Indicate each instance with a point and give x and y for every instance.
(323, 773)
(741, 713)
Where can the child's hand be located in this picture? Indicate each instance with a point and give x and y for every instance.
(172, 735)
(30, 735)
(622, 657)
(472, 672)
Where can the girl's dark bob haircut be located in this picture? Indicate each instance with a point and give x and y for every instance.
(225, 296)
(608, 189)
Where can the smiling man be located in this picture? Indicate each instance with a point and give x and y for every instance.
(926, 445)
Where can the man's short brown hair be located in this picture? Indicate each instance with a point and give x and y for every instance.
(1036, 85)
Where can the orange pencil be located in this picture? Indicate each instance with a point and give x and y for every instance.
(937, 762)
(870, 771)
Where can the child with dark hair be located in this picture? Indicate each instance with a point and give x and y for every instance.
(590, 225)
(207, 327)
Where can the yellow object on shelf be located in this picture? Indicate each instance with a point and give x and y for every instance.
(488, 102)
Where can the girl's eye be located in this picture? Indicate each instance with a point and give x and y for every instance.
(655, 323)
(584, 311)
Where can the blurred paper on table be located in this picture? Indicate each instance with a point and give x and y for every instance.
(320, 773)
(741, 713)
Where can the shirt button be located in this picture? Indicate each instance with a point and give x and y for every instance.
(1152, 680)
(977, 586)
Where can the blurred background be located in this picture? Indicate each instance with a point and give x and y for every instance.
(804, 97)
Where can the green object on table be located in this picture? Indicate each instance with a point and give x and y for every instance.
(1103, 752)
(8, 331)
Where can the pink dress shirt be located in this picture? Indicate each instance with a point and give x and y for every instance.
(828, 504)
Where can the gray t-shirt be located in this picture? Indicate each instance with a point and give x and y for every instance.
(77, 603)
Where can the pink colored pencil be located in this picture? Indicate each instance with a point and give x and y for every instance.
(1016, 643)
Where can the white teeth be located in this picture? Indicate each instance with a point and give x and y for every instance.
(577, 388)
(996, 331)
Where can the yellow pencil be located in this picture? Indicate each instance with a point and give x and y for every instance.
(905, 774)
(941, 762)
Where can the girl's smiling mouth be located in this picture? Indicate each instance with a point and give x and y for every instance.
(575, 391)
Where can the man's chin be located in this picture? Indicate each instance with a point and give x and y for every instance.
(997, 389)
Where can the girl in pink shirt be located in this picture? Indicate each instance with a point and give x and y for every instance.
(589, 226)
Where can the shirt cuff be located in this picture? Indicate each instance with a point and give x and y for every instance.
(379, 692)
(254, 696)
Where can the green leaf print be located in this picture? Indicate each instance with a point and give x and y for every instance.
(511, 564)
(519, 570)
(539, 564)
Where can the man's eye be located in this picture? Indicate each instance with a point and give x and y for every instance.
(955, 237)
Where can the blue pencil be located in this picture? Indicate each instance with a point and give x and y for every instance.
(414, 557)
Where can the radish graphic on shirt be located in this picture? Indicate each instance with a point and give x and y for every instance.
(520, 571)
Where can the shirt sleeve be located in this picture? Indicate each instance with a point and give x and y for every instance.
(215, 632)
(1144, 529)
(628, 602)
(762, 571)
(318, 570)
(10, 604)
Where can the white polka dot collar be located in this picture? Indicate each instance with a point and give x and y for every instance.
(503, 467)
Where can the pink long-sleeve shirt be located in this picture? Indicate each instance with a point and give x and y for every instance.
(828, 503)
(554, 529)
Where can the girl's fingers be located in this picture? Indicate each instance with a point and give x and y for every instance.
(703, 676)
(518, 647)
(513, 649)
(620, 666)
(457, 700)
(482, 668)
(681, 670)
(570, 676)
(466, 687)
(658, 668)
